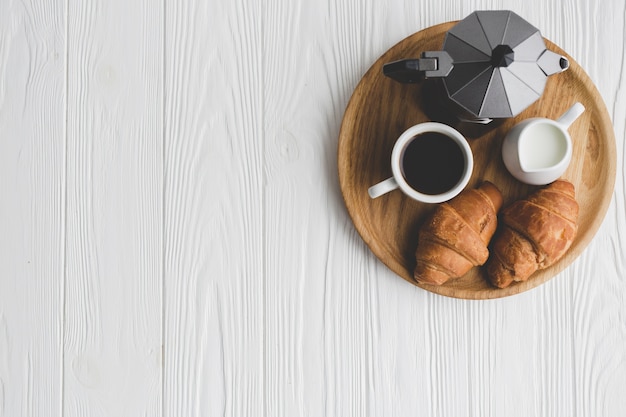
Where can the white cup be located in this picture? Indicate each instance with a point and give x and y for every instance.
(460, 152)
(537, 151)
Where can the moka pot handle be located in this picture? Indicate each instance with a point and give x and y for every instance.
(431, 64)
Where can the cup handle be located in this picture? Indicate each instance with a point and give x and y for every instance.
(382, 187)
(571, 115)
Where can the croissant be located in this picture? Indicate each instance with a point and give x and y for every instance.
(534, 234)
(455, 237)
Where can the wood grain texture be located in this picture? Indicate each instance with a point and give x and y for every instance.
(191, 255)
(32, 149)
(320, 285)
(114, 238)
(361, 341)
(599, 332)
(390, 224)
(213, 210)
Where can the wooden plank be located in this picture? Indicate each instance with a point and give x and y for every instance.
(326, 346)
(597, 281)
(213, 211)
(32, 184)
(114, 209)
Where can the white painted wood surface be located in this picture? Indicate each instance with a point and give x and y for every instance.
(173, 241)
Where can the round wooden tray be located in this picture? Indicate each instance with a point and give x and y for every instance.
(381, 109)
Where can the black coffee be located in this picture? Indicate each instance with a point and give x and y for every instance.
(432, 163)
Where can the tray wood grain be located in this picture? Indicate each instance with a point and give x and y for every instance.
(380, 109)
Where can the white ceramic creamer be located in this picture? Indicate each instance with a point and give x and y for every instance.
(537, 151)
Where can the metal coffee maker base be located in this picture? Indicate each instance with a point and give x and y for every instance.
(439, 109)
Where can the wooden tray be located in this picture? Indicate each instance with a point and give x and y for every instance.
(381, 109)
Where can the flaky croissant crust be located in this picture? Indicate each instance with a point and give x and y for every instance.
(455, 237)
(534, 233)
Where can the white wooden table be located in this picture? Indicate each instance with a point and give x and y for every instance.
(173, 240)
